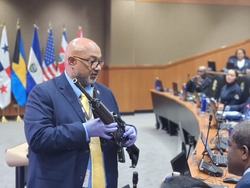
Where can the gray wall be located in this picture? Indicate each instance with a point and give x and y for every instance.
(129, 32)
(88, 13)
(157, 33)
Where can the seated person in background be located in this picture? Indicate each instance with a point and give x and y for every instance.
(183, 182)
(239, 153)
(240, 60)
(200, 82)
(230, 93)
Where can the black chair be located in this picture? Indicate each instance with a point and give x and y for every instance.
(244, 83)
(218, 81)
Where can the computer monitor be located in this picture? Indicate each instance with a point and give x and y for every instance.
(175, 88)
(206, 145)
(184, 93)
(160, 86)
(179, 164)
(213, 110)
(211, 65)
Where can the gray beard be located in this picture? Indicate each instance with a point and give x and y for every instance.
(84, 80)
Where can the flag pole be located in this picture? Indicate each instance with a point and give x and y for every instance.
(17, 23)
(18, 118)
(3, 117)
(3, 24)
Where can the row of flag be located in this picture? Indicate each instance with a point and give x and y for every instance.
(18, 78)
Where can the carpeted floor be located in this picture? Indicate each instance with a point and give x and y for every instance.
(156, 150)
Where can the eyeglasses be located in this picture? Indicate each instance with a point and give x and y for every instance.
(93, 63)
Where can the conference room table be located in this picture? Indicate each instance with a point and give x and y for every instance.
(168, 106)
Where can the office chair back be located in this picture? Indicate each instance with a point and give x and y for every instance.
(244, 83)
(218, 81)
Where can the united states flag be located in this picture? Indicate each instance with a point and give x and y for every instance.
(49, 62)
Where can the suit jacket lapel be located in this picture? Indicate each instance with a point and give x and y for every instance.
(68, 92)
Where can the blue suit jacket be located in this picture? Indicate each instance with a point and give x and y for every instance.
(58, 147)
(244, 181)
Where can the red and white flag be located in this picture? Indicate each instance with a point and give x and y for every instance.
(5, 83)
(79, 33)
(61, 59)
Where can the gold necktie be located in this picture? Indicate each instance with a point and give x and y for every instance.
(95, 153)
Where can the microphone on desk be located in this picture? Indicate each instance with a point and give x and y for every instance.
(135, 179)
(188, 77)
(179, 80)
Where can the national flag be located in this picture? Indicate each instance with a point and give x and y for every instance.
(18, 71)
(61, 58)
(49, 62)
(5, 83)
(79, 33)
(34, 69)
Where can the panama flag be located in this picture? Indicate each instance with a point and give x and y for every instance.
(79, 33)
(63, 47)
(34, 69)
(18, 71)
(49, 61)
(5, 84)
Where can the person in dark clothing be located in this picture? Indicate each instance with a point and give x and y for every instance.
(240, 61)
(200, 82)
(239, 107)
(239, 153)
(230, 93)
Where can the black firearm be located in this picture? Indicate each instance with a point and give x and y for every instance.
(107, 117)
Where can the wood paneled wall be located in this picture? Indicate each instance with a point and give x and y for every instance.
(131, 84)
(211, 2)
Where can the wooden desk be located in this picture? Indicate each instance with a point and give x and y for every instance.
(171, 107)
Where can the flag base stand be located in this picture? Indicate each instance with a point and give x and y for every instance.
(19, 119)
(4, 119)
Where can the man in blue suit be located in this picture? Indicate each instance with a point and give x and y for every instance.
(57, 128)
(239, 153)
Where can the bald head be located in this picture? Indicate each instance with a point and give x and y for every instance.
(202, 70)
(80, 46)
(79, 55)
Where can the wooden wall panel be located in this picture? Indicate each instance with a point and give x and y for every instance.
(209, 2)
(121, 82)
(142, 77)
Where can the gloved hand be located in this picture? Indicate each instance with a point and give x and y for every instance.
(96, 128)
(227, 108)
(131, 134)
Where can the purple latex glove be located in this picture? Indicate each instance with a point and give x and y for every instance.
(130, 133)
(96, 128)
